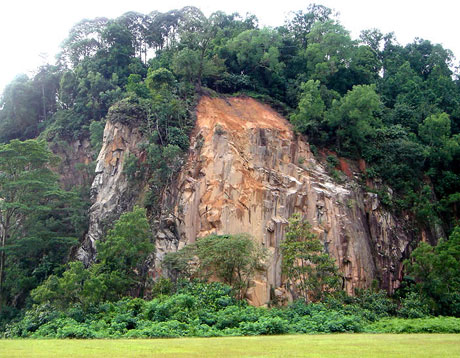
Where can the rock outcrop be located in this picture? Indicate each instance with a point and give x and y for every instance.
(75, 165)
(111, 191)
(248, 173)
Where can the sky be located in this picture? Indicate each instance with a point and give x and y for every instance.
(31, 31)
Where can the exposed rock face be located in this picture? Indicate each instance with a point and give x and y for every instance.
(248, 173)
(75, 165)
(111, 192)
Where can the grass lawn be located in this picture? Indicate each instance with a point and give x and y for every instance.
(314, 346)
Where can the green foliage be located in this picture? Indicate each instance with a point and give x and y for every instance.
(119, 271)
(35, 226)
(133, 168)
(127, 245)
(436, 271)
(310, 113)
(163, 162)
(256, 53)
(96, 134)
(136, 86)
(206, 310)
(329, 50)
(414, 306)
(128, 111)
(234, 259)
(416, 325)
(312, 273)
(375, 302)
(355, 119)
(395, 106)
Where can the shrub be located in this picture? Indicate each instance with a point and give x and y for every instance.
(414, 306)
(234, 259)
(416, 325)
(265, 325)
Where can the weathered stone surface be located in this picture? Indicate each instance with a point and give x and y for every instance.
(111, 192)
(75, 163)
(248, 173)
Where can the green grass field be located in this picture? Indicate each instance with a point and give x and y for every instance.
(314, 346)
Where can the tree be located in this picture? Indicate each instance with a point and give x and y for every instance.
(299, 24)
(435, 130)
(20, 110)
(310, 113)
(234, 259)
(126, 246)
(256, 53)
(194, 60)
(329, 51)
(308, 269)
(120, 268)
(436, 271)
(32, 218)
(355, 118)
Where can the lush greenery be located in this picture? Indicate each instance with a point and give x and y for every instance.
(341, 93)
(205, 310)
(120, 270)
(396, 107)
(39, 222)
(234, 259)
(436, 274)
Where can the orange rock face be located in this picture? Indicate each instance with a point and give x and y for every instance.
(248, 173)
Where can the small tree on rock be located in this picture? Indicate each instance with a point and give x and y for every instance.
(309, 270)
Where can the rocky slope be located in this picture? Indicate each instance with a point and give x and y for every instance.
(111, 192)
(248, 173)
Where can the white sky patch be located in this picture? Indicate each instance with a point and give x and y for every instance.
(29, 29)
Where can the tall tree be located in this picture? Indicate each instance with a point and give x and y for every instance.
(310, 113)
(355, 118)
(30, 222)
(436, 271)
(300, 23)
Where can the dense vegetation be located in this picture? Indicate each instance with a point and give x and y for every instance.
(208, 310)
(395, 106)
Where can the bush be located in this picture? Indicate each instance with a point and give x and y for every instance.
(167, 329)
(413, 306)
(265, 325)
(234, 259)
(416, 325)
(32, 320)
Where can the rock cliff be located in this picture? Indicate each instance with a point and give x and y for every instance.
(247, 172)
(75, 165)
(111, 191)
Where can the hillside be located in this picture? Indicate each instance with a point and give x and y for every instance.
(155, 134)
